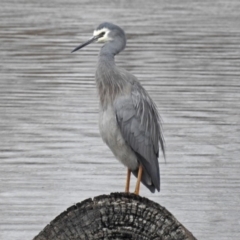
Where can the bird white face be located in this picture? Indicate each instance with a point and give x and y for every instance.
(104, 32)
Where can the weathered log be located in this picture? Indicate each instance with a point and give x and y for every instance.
(115, 216)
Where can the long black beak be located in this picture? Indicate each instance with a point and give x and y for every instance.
(94, 38)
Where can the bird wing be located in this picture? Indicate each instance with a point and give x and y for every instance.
(140, 126)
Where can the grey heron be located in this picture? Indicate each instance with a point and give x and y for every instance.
(128, 119)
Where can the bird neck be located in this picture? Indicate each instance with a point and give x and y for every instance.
(108, 79)
(113, 47)
(106, 57)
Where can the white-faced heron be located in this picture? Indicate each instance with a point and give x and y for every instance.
(128, 119)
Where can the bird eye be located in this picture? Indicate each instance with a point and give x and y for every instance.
(101, 34)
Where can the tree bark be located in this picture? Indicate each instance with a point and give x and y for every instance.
(115, 216)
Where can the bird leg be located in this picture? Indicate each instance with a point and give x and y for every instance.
(128, 181)
(140, 170)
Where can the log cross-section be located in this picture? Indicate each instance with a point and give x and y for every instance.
(115, 216)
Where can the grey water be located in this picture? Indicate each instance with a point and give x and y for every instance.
(185, 53)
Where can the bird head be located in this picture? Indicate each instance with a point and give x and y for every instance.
(104, 33)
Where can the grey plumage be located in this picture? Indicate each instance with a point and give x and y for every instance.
(128, 120)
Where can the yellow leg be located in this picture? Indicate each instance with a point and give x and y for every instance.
(140, 170)
(128, 181)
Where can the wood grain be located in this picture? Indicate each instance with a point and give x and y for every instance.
(115, 216)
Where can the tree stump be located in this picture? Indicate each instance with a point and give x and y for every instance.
(115, 216)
